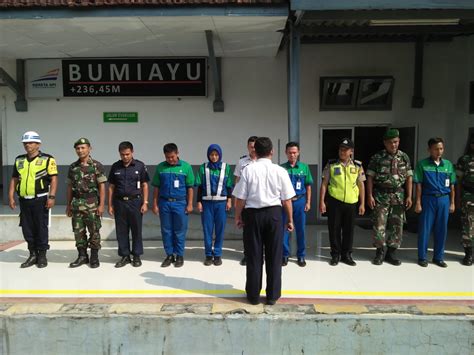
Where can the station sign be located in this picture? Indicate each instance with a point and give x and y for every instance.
(116, 77)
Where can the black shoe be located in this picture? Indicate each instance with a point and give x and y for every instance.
(124, 261)
(468, 257)
(136, 262)
(208, 261)
(243, 262)
(168, 261)
(179, 261)
(284, 261)
(348, 260)
(94, 260)
(81, 259)
(422, 262)
(253, 301)
(440, 263)
(217, 261)
(390, 257)
(271, 302)
(32, 260)
(334, 260)
(42, 261)
(378, 260)
(301, 262)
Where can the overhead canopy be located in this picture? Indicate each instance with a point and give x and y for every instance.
(52, 31)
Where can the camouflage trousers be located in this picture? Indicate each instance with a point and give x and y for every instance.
(84, 217)
(467, 221)
(388, 225)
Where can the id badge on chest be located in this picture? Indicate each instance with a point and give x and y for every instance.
(176, 184)
(138, 185)
(447, 183)
(298, 185)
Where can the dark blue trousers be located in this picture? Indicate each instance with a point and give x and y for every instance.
(299, 220)
(128, 217)
(263, 234)
(34, 223)
(213, 216)
(174, 225)
(434, 217)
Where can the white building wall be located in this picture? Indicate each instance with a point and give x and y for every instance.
(255, 96)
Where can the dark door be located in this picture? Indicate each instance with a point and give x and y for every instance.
(408, 143)
(330, 143)
(367, 142)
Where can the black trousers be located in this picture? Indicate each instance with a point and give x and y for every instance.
(34, 222)
(263, 234)
(128, 217)
(341, 217)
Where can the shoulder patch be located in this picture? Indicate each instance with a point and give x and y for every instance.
(358, 162)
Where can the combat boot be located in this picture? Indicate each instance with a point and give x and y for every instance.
(32, 259)
(378, 260)
(42, 261)
(468, 257)
(81, 259)
(390, 257)
(94, 262)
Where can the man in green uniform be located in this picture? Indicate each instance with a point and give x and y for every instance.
(85, 202)
(465, 199)
(389, 193)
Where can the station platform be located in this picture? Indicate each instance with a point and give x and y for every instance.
(198, 309)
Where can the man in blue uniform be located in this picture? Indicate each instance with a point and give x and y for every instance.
(173, 201)
(434, 178)
(128, 201)
(301, 178)
(33, 173)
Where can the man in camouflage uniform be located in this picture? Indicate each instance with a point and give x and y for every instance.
(465, 199)
(389, 193)
(85, 202)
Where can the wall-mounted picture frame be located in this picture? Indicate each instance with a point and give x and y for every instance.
(359, 93)
(338, 93)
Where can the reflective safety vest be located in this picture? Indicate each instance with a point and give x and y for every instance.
(34, 176)
(220, 185)
(343, 181)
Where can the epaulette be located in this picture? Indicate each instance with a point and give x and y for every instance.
(243, 156)
(358, 162)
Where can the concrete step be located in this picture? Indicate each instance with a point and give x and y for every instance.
(61, 228)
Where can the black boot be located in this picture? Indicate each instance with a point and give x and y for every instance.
(42, 261)
(468, 257)
(378, 260)
(390, 257)
(81, 259)
(32, 259)
(94, 262)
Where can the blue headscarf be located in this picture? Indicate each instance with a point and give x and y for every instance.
(217, 148)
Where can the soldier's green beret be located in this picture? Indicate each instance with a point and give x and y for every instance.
(82, 141)
(391, 133)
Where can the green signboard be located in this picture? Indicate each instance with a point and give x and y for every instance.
(120, 116)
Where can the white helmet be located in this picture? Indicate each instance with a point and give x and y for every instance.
(30, 136)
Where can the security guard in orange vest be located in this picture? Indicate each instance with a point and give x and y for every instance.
(34, 179)
(344, 179)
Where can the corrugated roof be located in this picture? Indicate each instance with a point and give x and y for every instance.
(105, 3)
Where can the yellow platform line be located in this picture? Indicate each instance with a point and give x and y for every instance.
(402, 294)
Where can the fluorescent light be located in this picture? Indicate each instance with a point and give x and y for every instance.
(415, 22)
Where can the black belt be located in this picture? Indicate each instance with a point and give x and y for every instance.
(297, 197)
(169, 199)
(128, 198)
(437, 195)
(85, 195)
(468, 188)
(388, 189)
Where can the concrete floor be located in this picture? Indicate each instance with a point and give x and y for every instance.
(317, 281)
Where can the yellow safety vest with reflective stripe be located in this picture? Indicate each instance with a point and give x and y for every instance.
(343, 181)
(34, 176)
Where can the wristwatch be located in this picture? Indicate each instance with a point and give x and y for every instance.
(52, 197)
